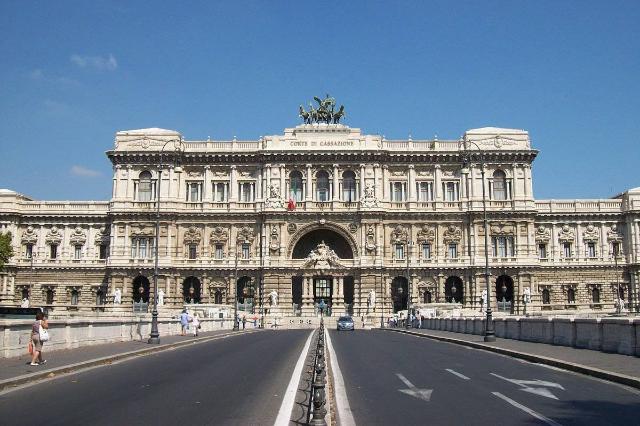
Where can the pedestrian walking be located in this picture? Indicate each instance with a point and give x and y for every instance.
(196, 324)
(255, 322)
(244, 321)
(184, 321)
(36, 341)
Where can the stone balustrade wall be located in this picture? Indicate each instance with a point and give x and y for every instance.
(617, 335)
(75, 333)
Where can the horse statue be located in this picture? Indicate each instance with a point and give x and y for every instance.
(306, 116)
(338, 115)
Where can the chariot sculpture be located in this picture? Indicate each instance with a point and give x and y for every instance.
(324, 113)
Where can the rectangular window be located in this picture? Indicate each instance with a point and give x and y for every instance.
(104, 251)
(453, 250)
(246, 250)
(322, 288)
(28, 251)
(194, 191)
(424, 191)
(398, 191)
(566, 250)
(399, 251)
(220, 191)
(246, 192)
(77, 252)
(219, 251)
(615, 249)
(591, 249)
(451, 191)
(193, 251)
(426, 250)
(542, 251)
(142, 248)
(53, 251)
(502, 246)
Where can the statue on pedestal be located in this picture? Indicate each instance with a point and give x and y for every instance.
(483, 301)
(273, 298)
(161, 297)
(117, 296)
(372, 301)
(24, 303)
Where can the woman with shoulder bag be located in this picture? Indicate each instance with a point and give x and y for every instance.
(39, 335)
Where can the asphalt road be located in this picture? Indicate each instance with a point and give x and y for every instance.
(468, 386)
(238, 380)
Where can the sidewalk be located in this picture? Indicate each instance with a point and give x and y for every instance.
(614, 367)
(15, 371)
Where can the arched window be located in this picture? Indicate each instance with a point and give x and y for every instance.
(295, 185)
(499, 185)
(595, 295)
(145, 187)
(322, 186)
(571, 295)
(546, 297)
(348, 186)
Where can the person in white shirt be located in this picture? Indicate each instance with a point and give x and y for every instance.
(196, 325)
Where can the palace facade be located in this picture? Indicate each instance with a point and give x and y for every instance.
(323, 213)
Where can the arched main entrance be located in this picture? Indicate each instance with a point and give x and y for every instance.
(453, 290)
(245, 293)
(331, 238)
(504, 293)
(399, 293)
(141, 289)
(191, 290)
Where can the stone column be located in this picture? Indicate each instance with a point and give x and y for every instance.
(440, 295)
(307, 296)
(336, 184)
(114, 192)
(411, 186)
(362, 182)
(259, 190)
(283, 189)
(233, 190)
(309, 190)
(385, 182)
(206, 185)
(268, 178)
(386, 296)
(129, 189)
(437, 186)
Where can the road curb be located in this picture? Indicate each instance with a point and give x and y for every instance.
(566, 365)
(34, 377)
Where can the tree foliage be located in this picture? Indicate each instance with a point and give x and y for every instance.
(6, 250)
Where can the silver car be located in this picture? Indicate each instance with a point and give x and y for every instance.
(345, 323)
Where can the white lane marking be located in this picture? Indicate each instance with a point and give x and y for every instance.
(455, 373)
(344, 414)
(537, 390)
(527, 410)
(289, 397)
(424, 394)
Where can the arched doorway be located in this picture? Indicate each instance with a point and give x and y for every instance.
(141, 289)
(191, 290)
(333, 239)
(504, 293)
(245, 293)
(453, 290)
(399, 293)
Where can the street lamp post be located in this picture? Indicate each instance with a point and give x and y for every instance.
(236, 326)
(489, 332)
(178, 146)
(616, 252)
(409, 245)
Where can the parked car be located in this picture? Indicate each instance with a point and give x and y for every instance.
(345, 323)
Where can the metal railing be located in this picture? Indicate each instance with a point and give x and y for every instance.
(318, 399)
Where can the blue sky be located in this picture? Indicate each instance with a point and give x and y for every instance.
(75, 72)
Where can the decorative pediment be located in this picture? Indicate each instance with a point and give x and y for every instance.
(614, 234)
(452, 234)
(426, 234)
(399, 235)
(54, 236)
(78, 237)
(102, 236)
(502, 228)
(566, 234)
(543, 235)
(219, 235)
(246, 235)
(591, 234)
(29, 236)
(322, 257)
(142, 230)
(192, 236)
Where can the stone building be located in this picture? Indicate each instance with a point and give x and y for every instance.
(323, 213)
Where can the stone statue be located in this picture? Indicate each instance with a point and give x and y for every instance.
(117, 296)
(372, 300)
(273, 298)
(161, 297)
(483, 300)
(526, 296)
(369, 198)
(25, 303)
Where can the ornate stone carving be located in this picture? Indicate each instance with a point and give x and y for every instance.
(614, 234)
(78, 237)
(399, 235)
(292, 228)
(246, 235)
(591, 234)
(370, 242)
(543, 235)
(102, 236)
(369, 199)
(452, 234)
(274, 201)
(219, 235)
(322, 257)
(502, 228)
(54, 236)
(142, 230)
(274, 241)
(566, 234)
(426, 234)
(29, 236)
(353, 228)
(192, 236)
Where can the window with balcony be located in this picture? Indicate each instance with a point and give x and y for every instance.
(142, 247)
(500, 186)
(295, 186)
(322, 186)
(451, 191)
(452, 250)
(145, 187)
(399, 251)
(398, 191)
(246, 192)
(219, 251)
(566, 250)
(542, 251)
(193, 251)
(591, 249)
(426, 250)
(77, 252)
(53, 251)
(246, 250)
(28, 250)
(502, 246)
(349, 186)
(194, 191)
(220, 192)
(424, 191)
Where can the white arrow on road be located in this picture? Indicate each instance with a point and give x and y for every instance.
(424, 394)
(527, 386)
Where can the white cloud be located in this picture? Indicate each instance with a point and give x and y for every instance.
(107, 63)
(84, 172)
